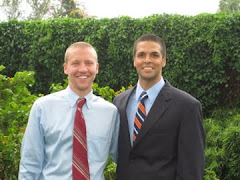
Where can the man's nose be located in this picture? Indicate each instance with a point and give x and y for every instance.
(82, 67)
(147, 59)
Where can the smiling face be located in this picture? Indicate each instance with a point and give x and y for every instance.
(81, 67)
(149, 61)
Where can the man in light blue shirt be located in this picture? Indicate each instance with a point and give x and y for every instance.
(46, 152)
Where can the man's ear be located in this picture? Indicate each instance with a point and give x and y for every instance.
(164, 62)
(65, 69)
(97, 67)
(134, 62)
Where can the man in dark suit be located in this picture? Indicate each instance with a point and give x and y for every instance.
(166, 141)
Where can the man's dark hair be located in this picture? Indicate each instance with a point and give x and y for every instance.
(151, 37)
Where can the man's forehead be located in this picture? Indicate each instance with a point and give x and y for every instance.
(148, 44)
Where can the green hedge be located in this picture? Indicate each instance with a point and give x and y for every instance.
(203, 55)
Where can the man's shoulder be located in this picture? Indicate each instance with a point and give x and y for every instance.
(56, 96)
(184, 98)
(179, 95)
(103, 102)
(123, 94)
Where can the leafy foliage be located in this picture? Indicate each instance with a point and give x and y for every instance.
(229, 5)
(16, 101)
(202, 51)
(11, 8)
(223, 143)
(39, 8)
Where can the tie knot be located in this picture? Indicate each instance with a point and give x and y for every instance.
(81, 102)
(143, 96)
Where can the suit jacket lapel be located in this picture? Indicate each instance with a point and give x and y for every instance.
(159, 107)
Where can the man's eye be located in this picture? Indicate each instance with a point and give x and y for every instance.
(140, 55)
(75, 63)
(89, 63)
(156, 55)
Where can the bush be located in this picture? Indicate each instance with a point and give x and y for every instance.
(231, 148)
(16, 101)
(223, 143)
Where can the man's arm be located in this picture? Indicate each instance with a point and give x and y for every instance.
(191, 142)
(114, 143)
(32, 149)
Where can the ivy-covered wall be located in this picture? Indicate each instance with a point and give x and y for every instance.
(203, 54)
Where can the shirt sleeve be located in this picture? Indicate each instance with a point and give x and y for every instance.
(114, 143)
(32, 149)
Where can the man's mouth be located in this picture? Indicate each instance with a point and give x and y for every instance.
(82, 77)
(148, 68)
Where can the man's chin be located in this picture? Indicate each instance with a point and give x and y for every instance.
(150, 78)
(82, 88)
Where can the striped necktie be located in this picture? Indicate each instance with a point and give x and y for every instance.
(140, 115)
(80, 168)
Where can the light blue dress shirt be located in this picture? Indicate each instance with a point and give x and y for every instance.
(46, 152)
(135, 99)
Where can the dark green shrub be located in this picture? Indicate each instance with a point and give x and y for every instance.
(202, 52)
(231, 148)
(223, 143)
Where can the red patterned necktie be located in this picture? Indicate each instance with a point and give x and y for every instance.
(80, 168)
(140, 115)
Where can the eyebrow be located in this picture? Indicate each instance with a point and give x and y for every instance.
(150, 52)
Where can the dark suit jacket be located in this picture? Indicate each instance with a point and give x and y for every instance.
(170, 144)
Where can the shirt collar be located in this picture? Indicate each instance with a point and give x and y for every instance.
(73, 97)
(151, 92)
